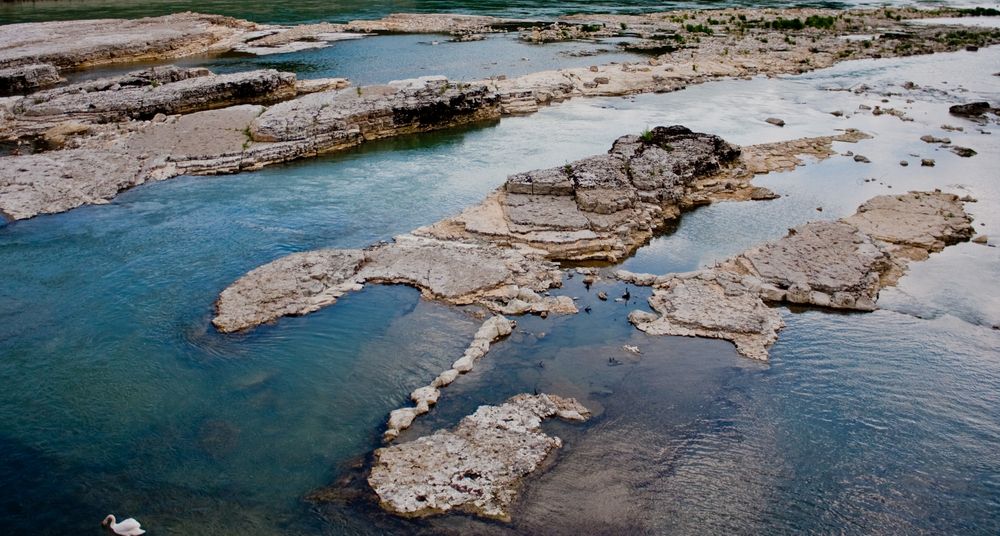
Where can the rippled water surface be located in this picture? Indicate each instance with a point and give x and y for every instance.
(119, 396)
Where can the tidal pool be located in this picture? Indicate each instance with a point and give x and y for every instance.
(119, 397)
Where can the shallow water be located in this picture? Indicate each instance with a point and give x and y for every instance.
(118, 395)
(377, 60)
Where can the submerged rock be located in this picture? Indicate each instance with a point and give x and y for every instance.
(492, 329)
(837, 264)
(476, 467)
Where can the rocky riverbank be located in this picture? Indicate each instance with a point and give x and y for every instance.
(141, 124)
(838, 264)
(499, 254)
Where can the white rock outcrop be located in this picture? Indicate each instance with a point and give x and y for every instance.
(476, 467)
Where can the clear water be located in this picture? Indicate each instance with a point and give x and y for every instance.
(377, 60)
(119, 397)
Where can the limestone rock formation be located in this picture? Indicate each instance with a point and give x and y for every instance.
(494, 254)
(294, 285)
(58, 181)
(425, 23)
(606, 206)
(836, 264)
(172, 92)
(476, 467)
(715, 304)
(83, 43)
(209, 141)
(335, 118)
(454, 272)
(24, 78)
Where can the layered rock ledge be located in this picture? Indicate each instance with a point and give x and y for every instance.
(499, 254)
(604, 207)
(838, 264)
(84, 43)
(476, 467)
(450, 271)
(237, 137)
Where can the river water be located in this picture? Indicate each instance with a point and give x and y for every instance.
(304, 11)
(118, 396)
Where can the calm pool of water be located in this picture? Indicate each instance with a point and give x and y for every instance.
(377, 60)
(119, 397)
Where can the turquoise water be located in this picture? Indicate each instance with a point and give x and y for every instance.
(119, 397)
(344, 11)
(377, 60)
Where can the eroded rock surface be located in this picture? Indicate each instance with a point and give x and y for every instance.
(499, 254)
(82, 43)
(294, 285)
(476, 467)
(235, 138)
(24, 78)
(335, 118)
(714, 304)
(606, 206)
(836, 264)
(144, 94)
(453, 272)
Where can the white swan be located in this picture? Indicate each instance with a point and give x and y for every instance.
(128, 527)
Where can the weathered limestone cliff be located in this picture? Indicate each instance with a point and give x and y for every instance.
(838, 264)
(478, 466)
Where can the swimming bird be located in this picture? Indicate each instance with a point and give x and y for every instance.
(128, 527)
(627, 296)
